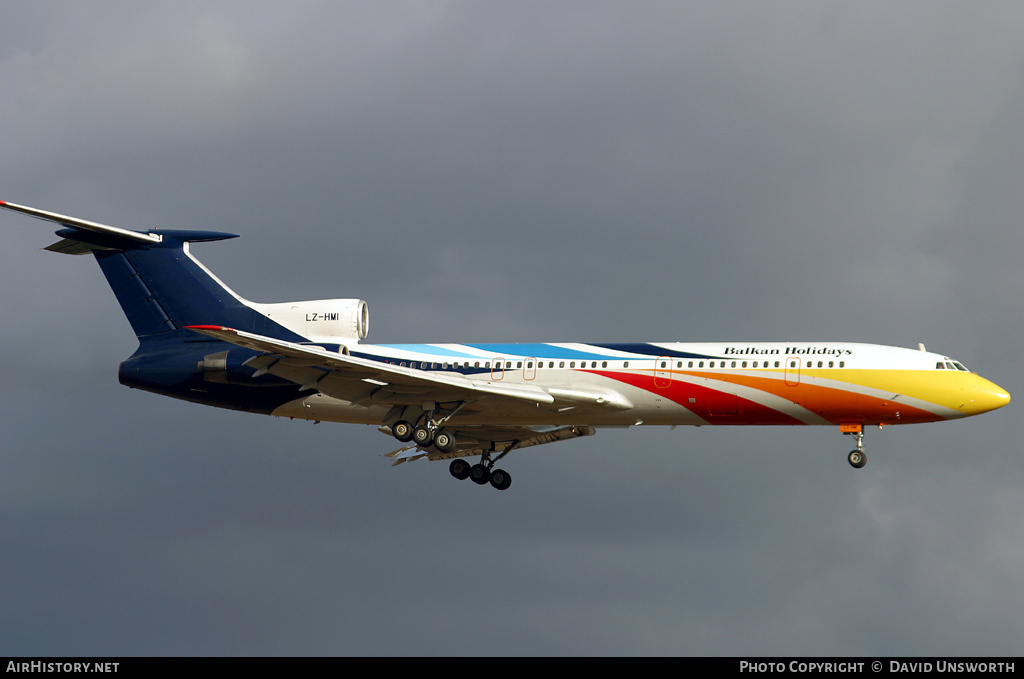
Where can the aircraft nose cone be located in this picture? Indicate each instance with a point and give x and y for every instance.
(985, 396)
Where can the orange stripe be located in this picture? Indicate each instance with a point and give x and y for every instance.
(832, 403)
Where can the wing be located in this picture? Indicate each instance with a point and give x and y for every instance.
(369, 382)
(366, 382)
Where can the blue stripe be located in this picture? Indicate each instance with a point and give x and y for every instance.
(539, 351)
(651, 350)
(430, 350)
(547, 351)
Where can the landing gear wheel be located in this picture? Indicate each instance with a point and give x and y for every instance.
(501, 479)
(422, 436)
(444, 441)
(459, 469)
(402, 431)
(480, 474)
(857, 459)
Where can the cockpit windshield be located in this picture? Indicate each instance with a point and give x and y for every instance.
(950, 364)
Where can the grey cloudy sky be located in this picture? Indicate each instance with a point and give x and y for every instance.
(516, 171)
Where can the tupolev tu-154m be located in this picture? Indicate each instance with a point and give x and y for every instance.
(201, 342)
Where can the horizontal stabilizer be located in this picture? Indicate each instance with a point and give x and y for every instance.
(64, 246)
(68, 246)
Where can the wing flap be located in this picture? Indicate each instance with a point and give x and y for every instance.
(475, 440)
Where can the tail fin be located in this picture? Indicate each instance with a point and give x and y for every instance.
(160, 286)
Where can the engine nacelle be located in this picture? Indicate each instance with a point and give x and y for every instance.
(333, 321)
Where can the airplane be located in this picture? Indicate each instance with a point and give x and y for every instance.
(201, 342)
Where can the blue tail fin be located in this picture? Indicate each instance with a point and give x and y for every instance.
(162, 288)
(159, 285)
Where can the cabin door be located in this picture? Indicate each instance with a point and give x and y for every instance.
(663, 372)
(792, 370)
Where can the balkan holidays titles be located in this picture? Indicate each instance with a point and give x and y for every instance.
(790, 351)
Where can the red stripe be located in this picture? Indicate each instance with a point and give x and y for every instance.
(717, 407)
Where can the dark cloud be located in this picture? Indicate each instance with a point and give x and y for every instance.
(515, 172)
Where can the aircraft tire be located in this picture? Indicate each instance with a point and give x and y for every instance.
(501, 479)
(857, 459)
(459, 469)
(480, 474)
(402, 431)
(422, 436)
(444, 441)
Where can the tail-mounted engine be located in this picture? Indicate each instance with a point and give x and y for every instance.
(325, 320)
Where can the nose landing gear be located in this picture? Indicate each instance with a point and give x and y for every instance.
(856, 458)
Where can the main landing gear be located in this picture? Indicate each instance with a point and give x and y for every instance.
(484, 472)
(427, 432)
(481, 473)
(856, 458)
